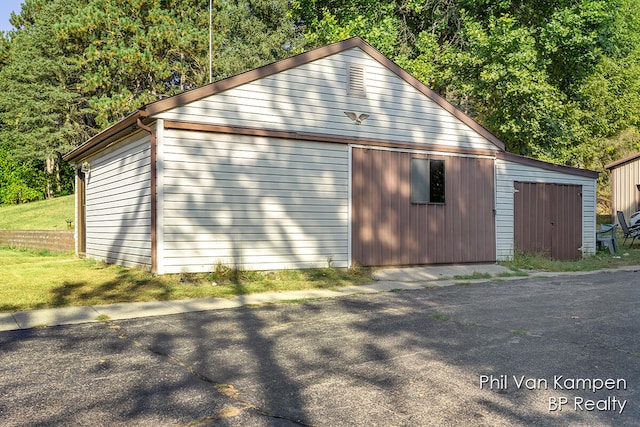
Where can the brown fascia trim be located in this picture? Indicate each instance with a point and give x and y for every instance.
(113, 133)
(250, 76)
(622, 161)
(528, 161)
(304, 136)
(314, 55)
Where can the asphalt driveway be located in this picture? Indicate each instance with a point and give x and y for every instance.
(545, 351)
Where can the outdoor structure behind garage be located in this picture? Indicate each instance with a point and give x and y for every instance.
(625, 176)
(333, 157)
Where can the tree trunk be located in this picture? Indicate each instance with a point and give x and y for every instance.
(49, 169)
(52, 166)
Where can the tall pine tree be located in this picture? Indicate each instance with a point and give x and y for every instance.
(40, 112)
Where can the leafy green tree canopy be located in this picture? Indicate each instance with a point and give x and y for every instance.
(72, 67)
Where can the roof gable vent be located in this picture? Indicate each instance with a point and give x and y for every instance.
(355, 81)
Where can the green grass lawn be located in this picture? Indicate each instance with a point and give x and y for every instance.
(602, 259)
(42, 279)
(43, 215)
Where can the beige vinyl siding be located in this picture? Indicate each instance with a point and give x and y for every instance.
(507, 172)
(119, 203)
(625, 194)
(257, 203)
(312, 98)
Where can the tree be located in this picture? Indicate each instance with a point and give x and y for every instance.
(553, 79)
(254, 33)
(518, 67)
(40, 114)
(20, 182)
(72, 67)
(133, 52)
(136, 52)
(504, 77)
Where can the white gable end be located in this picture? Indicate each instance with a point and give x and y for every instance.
(314, 97)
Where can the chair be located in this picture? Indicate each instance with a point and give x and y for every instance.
(607, 237)
(633, 231)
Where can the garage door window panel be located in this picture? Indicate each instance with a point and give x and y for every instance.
(427, 181)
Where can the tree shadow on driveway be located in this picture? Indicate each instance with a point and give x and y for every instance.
(397, 358)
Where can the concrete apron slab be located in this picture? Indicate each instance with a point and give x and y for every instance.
(438, 272)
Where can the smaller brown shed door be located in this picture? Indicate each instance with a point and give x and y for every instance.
(548, 219)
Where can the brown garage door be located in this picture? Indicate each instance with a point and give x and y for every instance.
(388, 228)
(548, 219)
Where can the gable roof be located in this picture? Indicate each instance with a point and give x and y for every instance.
(126, 125)
(145, 114)
(310, 56)
(621, 162)
(553, 167)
